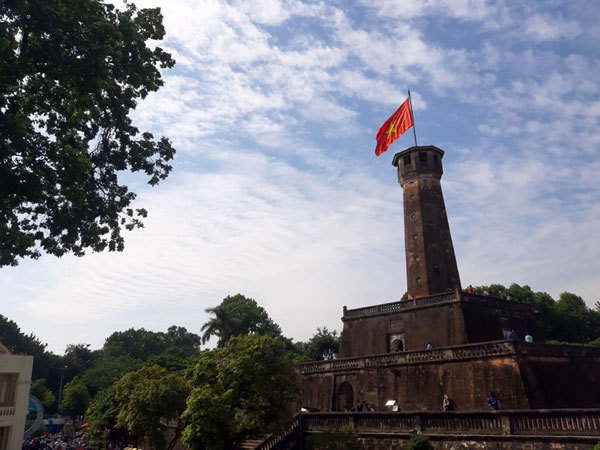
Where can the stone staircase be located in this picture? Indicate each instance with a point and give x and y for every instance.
(290, 438)
(249, 444)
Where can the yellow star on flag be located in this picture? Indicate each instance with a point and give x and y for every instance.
(397, 124)
(391, 129)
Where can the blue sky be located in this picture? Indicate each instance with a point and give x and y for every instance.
(277, 194)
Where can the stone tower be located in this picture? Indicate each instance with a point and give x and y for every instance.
(430, 262)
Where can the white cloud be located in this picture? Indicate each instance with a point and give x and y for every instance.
(543, 27)
(459, 9)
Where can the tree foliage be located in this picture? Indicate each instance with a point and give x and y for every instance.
(77, 359)
(141, 343)
(103, 409)
(419, 442)
(345, 438)
(149, 397)
(318, 345)
(40, 390)
(244, 389)
(75, 399)
(108, 371)
(17, 341)
(238, 315)
(567, 319)
(186, 342)
(45, 364)
(70, 73)
(173, 359)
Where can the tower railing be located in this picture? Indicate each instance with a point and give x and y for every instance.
(402, 305)
(459, 352)
(454, 353)
(446, 297)
(579, 422)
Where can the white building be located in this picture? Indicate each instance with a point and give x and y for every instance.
(15, 381)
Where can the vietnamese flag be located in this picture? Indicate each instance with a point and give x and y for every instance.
(391, 130)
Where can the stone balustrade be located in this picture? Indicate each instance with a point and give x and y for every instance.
(455, 353)
(460, 352)
(543, 424)
(581, 422)
(447, 297)
(7, 414)
(400, 306)
(7, 411)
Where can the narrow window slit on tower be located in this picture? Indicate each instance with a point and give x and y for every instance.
(407, 160)
(423, 156)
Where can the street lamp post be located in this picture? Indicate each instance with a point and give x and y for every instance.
(62, 374)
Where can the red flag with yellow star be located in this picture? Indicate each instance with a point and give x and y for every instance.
(391, 130)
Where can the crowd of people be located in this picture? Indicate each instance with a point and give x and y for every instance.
(56, 441)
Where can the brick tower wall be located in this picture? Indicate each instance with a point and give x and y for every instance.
(441, 320)
(523, 376)
(430, 260)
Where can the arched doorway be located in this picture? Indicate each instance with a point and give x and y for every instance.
(396, 343)
(345, 397)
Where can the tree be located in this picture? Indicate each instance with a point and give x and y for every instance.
(238, 315)
(149, 397)
(75, 399)
(78, 358)
(173, 359)
(568, 320)
(101, 415)
(321, 342)
(45, 364)
(245, 389)
(220, 326)
(40, 390)
(17, 341)
(108, 371)
(187, 343)
(345, 438)
(138, 344)
(103, 409)
(419, 442)
(545, 314)
(141, 343)
(70, 73)
(519, 293)
(574, 321)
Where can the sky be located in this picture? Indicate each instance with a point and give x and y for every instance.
(276, 192)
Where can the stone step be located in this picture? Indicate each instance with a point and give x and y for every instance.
(248, 444)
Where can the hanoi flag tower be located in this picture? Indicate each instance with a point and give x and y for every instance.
(430, 262)
(385, 353)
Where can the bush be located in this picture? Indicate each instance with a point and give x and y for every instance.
(419, 442)
(344, 438)
(597, 446)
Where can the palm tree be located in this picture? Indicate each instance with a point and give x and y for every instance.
(238, 315)
(219, 326)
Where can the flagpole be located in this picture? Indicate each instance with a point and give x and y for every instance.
(413, 118)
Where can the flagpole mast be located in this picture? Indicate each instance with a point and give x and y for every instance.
(413, 118)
